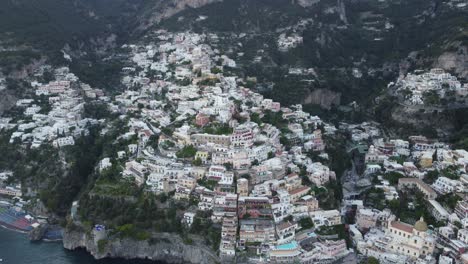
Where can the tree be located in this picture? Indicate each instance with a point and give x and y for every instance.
(228, 166)
(254, 117)
(306, 223)
(393, 177)
(153, 141)
(216, 70)
(434, 156)
(186, 152)
(197, 162)
(431, 176)
(372, 260)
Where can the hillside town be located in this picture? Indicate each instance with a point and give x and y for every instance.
(260, 170)
(430, 87)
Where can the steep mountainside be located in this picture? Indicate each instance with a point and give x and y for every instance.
(351, 49)
(355, 47)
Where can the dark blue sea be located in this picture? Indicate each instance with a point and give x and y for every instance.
(15, 248)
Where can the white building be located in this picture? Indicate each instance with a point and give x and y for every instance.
(64, 141)
(320, 174)
(325, 218)
(445, 185)
(104, 164)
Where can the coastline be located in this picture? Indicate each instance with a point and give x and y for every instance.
(12, 228)
(50, 252)
(51, 240)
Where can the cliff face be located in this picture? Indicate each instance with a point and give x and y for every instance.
(456, 61)
(165, 9)
(323, 97)
(165, 247)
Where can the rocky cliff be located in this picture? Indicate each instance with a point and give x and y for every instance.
(165, 247)
(165, 9)
(455, 61)
(323, 97)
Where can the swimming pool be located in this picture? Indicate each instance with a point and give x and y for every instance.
(289, 246)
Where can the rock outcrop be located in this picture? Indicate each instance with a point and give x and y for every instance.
(37, 233)
(166, 9)
(307, 3)
(323, 97)
(165, 247)
(456, 61)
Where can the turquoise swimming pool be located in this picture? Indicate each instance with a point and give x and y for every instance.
(289, 246)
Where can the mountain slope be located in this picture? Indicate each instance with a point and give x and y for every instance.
(355, 47)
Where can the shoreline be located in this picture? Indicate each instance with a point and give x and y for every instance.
(51, 240)
(11, 228)
(54, 249)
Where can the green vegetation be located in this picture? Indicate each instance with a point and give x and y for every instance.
(216, 70)
(203, 226)
(449, 200)
(209, 82)
(111, 174)
(102, 245)
(431, 176)
(459, 137)
(329, 196)
(183, 82)
(217, 129)
(375, 198)
(129, 230)
(306, 223)
(398, 159)
(409, 215)
(118, 187)
(167, 144)
(431, 98)
(153, 141)
(450, 172)
(210, 184)
(15, 60)
(43, 169)
(372, 260)
(96, 110)
(97, 73)
(275, 119)
(339, 230)
(254, 117)
(186, 152)
(131, 216)
(392, 177)
(197, 162)
(49, 24)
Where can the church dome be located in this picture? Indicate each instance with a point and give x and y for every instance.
(420, 225)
